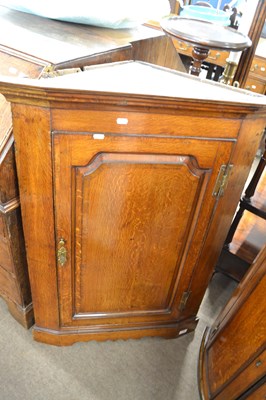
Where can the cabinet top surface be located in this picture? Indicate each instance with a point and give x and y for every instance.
(147, 79)
(131, 80)
(57, 42)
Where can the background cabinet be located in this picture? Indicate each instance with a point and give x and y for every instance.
(232, 358)
(256, 80)
(14, 280)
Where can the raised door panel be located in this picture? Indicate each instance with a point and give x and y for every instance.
(133, 214)
(127, 210)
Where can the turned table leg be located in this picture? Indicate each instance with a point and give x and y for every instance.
(199, 54)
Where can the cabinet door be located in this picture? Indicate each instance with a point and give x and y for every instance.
(132, 213)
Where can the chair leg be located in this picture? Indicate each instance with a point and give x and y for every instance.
(256, 177)
(249, 192)
(233, 227)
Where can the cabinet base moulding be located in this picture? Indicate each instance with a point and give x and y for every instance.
(67, 337)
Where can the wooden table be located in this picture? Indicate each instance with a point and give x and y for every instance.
(204, 36)
(65, 45)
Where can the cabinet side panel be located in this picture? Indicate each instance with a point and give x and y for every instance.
(9, 287)
(8, 177)
(242, 157)
(159, 51)
(17, 247)
(6, 261)
(5, 119)
(32, 136)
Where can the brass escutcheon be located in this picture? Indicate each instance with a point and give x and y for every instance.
(61, 252)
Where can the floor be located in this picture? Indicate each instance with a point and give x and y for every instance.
(145, 369)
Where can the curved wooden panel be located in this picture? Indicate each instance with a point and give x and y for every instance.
(233, 353)
(133, 214)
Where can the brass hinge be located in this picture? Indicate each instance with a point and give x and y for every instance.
(50, 72)
(222, 180)
(184, 299)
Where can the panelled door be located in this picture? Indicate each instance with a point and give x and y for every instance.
(132, 214)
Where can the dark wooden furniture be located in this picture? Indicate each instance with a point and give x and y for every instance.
(122, 174)
(31, 47)
(14, 281)
(233, 352)
(252, 202)
(204, 36)
(215, 57)
(60, 45)
(251, 70)
(253, 199)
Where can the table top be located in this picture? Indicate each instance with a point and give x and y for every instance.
(58, 42)
(205, 34)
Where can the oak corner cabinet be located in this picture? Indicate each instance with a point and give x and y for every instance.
(122, 174)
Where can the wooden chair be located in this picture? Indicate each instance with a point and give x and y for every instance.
(253, 200)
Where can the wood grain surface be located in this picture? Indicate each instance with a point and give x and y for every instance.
(132, 207)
